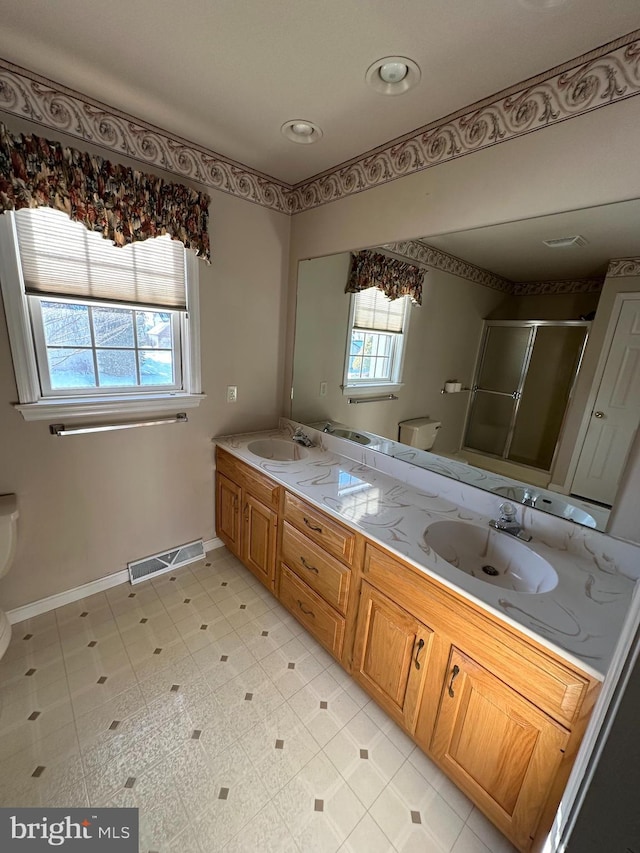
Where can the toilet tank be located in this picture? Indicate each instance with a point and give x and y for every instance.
(419, 432)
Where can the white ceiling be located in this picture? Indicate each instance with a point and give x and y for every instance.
(226, 74)
(515, 249)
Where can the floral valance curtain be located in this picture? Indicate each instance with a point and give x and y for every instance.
(395, 278)
(124, 205)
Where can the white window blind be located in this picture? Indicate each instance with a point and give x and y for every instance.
(375, 312)
(62, 258)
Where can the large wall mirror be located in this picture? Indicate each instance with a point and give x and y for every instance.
(525, 351)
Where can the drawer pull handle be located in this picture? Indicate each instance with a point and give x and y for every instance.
(307, 566)
(311, 526)
(306, 612)
(418, 650)
(454, 675)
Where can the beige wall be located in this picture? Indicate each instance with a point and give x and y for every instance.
(583, 162)
(546, 306)
(442, 343)
(89, 504)
(322, 318)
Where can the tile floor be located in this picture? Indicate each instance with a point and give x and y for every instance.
(198, 699)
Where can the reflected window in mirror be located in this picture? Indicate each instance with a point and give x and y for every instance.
(376, 337)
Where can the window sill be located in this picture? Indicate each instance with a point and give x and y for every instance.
(79, 407)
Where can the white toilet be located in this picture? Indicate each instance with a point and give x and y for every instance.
(419, 432)
(8, 537)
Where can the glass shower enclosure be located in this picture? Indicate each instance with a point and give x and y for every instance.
(524, 377)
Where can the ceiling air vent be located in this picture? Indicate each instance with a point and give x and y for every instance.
(566, 242)
(168, 561)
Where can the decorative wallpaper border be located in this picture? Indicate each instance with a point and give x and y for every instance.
(40, 100)
(621, 267)
(571, 285)
(596, 79)
(421, 252)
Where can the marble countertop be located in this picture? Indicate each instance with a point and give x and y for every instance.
(580, 619)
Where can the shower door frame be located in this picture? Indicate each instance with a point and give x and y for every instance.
(516, 395)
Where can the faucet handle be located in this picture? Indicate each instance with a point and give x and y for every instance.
(507, 511)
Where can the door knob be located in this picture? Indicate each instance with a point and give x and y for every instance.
(598, 414)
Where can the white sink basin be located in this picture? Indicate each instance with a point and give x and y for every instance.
(351, 435)
(277, 449)
(496, 558)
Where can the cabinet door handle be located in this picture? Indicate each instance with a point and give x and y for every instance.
(306, 612)
(418, 650)
(454, 675)
(246, 511)
(311, 526)
(307, 566)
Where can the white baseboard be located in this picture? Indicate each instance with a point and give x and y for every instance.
(59, 599)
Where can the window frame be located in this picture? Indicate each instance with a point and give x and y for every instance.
(363, 386)
(34, 405)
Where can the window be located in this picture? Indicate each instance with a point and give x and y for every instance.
(377, 330)
(94, 348)
(93, 327)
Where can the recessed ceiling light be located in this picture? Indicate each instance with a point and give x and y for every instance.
(577, 241)
(301, 131)
(393, 72)
(393, 75)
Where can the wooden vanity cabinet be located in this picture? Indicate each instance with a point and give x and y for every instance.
(315, 580)
(500, 749)
(228, 500)
(502, 716)
(247, 515)
(391, 655)
(500, 713)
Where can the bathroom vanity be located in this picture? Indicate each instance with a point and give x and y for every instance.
(495, 684)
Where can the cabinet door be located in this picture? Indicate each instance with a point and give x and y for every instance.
(259, 540)
(391, 655)
(228, 512)
(497, 747)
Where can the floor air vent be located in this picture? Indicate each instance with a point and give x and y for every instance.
(158, 564)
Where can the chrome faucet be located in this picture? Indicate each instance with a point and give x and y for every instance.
(301, 437)
(507, 522)
(529, 498)
(328, 427)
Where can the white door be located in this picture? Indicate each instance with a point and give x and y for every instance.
(616, 412)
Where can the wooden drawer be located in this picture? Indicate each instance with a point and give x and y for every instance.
(534, 672)
(318, 618)
(329, 534)
(251, 480)
(322, 573)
